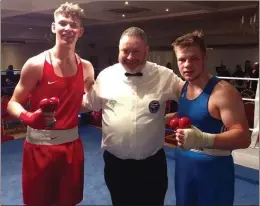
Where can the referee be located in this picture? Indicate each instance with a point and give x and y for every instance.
(132, 95)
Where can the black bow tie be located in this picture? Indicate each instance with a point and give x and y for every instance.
(138, 74)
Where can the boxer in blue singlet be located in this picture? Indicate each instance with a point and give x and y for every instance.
(204, 172)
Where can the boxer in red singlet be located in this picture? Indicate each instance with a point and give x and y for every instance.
(53, 159)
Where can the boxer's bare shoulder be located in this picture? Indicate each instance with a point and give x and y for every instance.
(33, 66)
(30, 75)
(230, 106)
(224, 91)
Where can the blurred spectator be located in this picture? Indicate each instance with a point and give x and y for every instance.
(248, 72)
(239, 84)
(223, 72)
(248, 68)
(10, 74)
(255, 74)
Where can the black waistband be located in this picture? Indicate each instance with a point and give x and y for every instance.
(159, 153)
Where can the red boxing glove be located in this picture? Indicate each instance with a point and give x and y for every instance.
(96, 115)
(184, 123)
(49, 105)
(36, 119)
(33, 119)
(174, 123)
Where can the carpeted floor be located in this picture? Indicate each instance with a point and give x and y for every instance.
(95, 191)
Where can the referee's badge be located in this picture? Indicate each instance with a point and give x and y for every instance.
(112, 103)
(154, 106)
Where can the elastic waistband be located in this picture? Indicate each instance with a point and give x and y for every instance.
(51, 137)
(159, 153)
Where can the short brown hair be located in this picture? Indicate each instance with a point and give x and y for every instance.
(195, 38)
(70, 10)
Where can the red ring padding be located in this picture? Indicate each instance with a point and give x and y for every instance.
(4, 137)
(96, 118)
(4, 102)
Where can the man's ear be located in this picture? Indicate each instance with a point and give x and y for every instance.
(53, 27)
(147, 48)
(81, 31)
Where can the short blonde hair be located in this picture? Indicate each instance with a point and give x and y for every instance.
(70, 10)
(196, 38)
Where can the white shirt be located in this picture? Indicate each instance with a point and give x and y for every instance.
(133, 108)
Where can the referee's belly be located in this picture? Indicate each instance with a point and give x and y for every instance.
(138, 142)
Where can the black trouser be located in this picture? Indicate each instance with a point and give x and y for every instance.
(136, 182)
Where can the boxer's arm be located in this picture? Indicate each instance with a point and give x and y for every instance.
(232, 113)
(179, 83)
(89, 74)
(175, 85)
(30, 75)
(91, 100)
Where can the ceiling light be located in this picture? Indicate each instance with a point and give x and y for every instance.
(123, 15)
(126, 3)
(30, 28)
(166, 10)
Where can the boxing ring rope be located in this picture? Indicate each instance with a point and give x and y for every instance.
(255, 130)
(251, 100)
(238, 78)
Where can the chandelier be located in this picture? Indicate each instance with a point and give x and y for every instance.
(249, 24)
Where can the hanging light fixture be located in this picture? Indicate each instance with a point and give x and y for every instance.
(249, 24)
